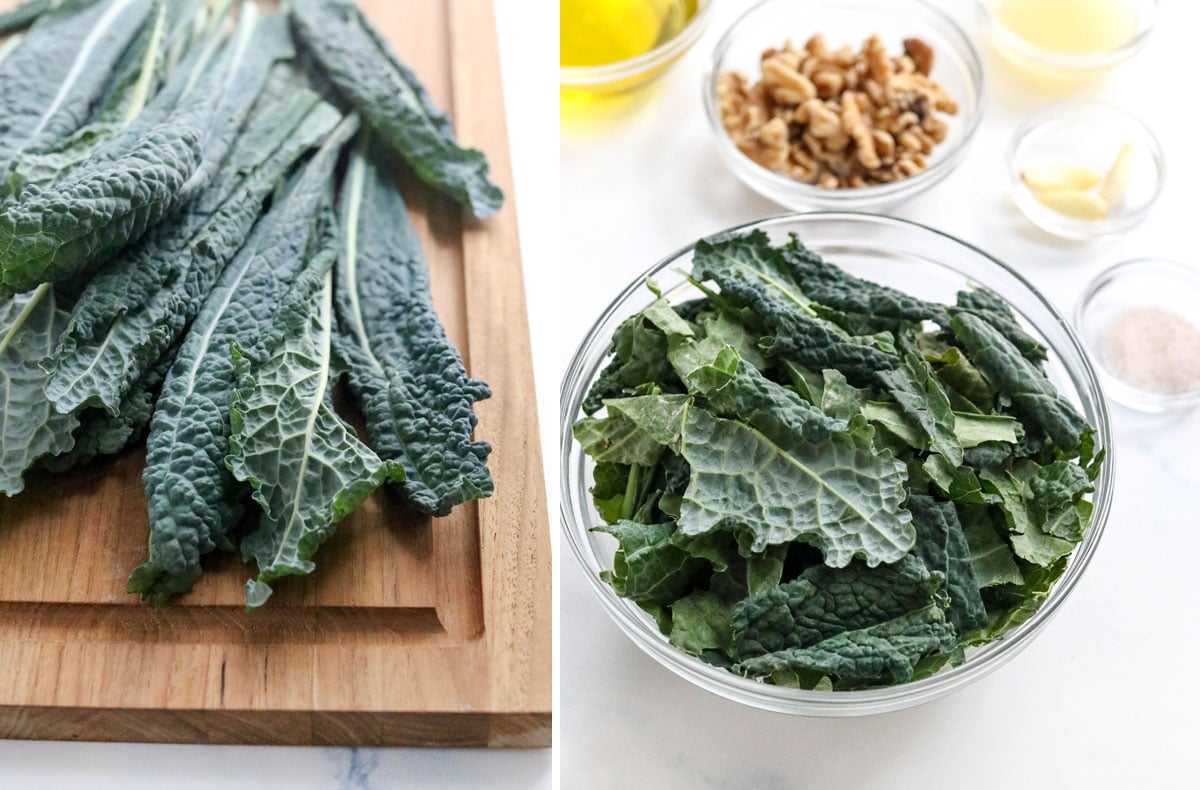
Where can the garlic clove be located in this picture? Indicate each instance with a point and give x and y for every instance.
(1113, 188)
(1049, 178)
(1074, 203)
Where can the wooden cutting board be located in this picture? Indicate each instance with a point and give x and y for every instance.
(411, 632)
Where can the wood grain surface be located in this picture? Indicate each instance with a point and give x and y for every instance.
(412, 631)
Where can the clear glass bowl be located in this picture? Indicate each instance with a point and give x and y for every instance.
(1089, 133)
(957, 68)
(625, 75)
(922, 261)
(1145, 282)
(1040, 60)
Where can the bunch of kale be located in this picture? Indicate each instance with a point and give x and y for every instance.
(180, 251)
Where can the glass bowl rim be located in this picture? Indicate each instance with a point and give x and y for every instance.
(827, 703)
(1161, 401)
(1081, 228)
(1081, 62)
(852, 195)
(584, 76)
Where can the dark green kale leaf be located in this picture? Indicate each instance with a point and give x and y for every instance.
(649, 567)
(1009, 605)
(829, 285)
(136, 80)
(753, 274)
(1030, 540)
(991, 308)
(1057, 500)
(991, 556)
(960, 485)
(626, 492)
(882, 654)
(414, 389)
(700, 625)
(635, 430)
(306, 467)
(102, 433)
(363, 67)
(965, 385)
(943, 547)
(639, 357)
(32, 428)
(922, 399)
(45, 96)
(840, 495)
(1033, 397)
(726, 329)
(609, 484)
(142, 176)
(824, 602)
(616, 439)
(839, 399)
(676, 474)
(736, 390)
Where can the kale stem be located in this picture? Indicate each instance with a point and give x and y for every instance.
(631, 487)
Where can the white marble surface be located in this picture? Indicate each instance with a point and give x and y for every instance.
(527, 47)
(1108, 695)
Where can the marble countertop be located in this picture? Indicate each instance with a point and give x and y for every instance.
(526, 47)
(1107, 695)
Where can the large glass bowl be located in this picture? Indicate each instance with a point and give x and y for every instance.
(921, 261)
(957, 67)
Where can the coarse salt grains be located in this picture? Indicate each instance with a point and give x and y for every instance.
(1154, 350)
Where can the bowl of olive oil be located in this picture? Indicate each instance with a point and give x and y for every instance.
(611, 46)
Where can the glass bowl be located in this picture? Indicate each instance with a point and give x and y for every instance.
(1089, 133)
(1040, 60)
(1145, 282)
(925, 262)
(957, 68)
(625, 75)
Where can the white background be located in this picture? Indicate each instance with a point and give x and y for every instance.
(1108, 695)
(529, 52)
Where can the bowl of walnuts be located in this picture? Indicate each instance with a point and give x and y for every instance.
(843, 104)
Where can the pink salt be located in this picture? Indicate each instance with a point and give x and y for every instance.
(1153, 349)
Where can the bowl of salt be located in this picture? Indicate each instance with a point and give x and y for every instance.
(1140, 321)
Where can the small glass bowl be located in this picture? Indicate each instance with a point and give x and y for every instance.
(957, 67)
(625, 75)
(1088, 133)
(1144, 282)
(1069, 65)
(925, 262)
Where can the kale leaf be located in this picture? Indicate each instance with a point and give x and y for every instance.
(359, 62)
(410, 380)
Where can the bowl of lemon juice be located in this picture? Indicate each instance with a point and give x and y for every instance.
(1068, 38)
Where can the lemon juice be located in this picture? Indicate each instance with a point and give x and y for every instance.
(1070, 27)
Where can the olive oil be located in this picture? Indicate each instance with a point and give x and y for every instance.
(600, 32)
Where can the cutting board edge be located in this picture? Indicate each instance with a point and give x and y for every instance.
(507, 730)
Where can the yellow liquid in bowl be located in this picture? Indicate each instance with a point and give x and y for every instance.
(1070, 27)
(600, 32)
